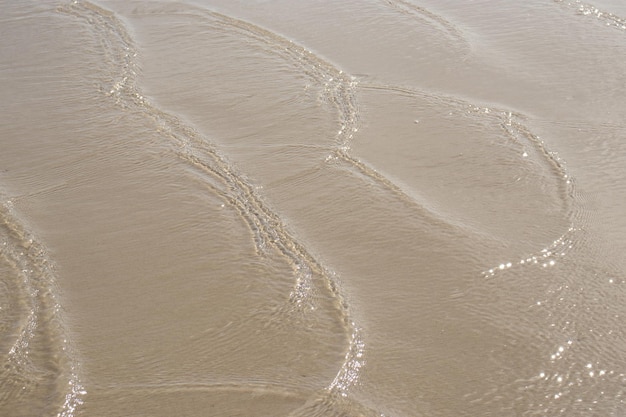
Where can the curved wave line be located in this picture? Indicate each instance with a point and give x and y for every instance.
(512, 124)
(586, 9)
(434, 19)
(34, 270)
(196, 150)
(549, 255)
(371, 173)
(339, 87)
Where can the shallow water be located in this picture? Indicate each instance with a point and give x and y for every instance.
(372, 208)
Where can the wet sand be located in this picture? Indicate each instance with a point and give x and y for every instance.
(265, 208)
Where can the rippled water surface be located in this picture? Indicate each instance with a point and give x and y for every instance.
(314, 208)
